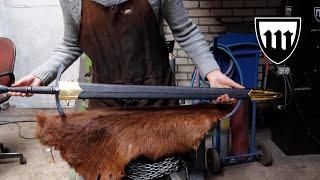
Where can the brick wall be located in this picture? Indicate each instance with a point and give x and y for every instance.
(216, 17)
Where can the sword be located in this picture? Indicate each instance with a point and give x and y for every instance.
(67, 90)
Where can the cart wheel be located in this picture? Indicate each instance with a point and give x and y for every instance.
(5, 150)
(213, 161)
(23, 160)
(264, 153)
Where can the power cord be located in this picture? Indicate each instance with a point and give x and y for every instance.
(289, 96)
(2, 123)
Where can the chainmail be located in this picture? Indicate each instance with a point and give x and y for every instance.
(139, 171)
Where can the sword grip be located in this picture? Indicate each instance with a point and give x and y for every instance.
(33, 89)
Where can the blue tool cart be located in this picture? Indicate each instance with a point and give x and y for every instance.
(238, 57)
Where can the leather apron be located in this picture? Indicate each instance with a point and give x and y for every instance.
(126, 47)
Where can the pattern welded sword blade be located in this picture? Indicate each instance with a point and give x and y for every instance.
(72, 90)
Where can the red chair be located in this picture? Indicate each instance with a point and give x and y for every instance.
(7, 59)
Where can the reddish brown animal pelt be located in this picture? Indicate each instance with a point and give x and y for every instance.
(102, 142)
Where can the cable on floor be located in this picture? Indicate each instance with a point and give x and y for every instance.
(2, 123)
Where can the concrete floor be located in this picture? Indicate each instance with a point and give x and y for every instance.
(41, 166)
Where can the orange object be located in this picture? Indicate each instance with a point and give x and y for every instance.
(239, 129)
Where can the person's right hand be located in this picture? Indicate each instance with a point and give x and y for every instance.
(29, 80)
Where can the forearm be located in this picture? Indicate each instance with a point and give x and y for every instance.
(189, 36)
(194, 44)
(64, 54)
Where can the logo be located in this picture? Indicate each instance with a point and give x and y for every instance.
(277, 36)
(317, 13)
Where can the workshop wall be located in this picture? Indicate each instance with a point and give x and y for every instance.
(216, 17)
(36, 27)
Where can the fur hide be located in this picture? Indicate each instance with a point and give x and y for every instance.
(102, 142)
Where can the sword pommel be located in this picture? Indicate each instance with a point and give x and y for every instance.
(3, 89)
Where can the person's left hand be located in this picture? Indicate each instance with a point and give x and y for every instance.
(219, 80)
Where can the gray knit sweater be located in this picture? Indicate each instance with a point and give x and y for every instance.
(185, 33)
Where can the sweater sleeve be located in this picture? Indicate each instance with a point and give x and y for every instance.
(66, 53)
(189, 36)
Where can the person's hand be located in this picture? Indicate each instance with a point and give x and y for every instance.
(219, 80)
(29, 80)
